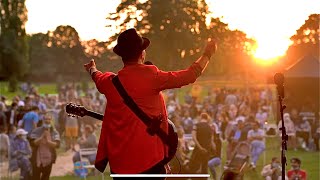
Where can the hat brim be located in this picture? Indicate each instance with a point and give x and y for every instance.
(145, 45)
(22, 133)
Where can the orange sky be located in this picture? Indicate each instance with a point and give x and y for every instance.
(270, 22)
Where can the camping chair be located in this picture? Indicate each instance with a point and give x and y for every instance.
(238, 161)
(271, 130)
(85, 152)
(188, 138)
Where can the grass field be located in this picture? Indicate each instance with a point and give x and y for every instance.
(42, 89)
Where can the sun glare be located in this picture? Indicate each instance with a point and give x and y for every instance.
(269, 50)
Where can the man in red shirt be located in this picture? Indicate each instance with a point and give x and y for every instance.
(296, 173)
(124, 140)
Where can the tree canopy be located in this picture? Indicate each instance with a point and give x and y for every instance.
(305, 41)
(13, 41)
(57, 53)
(178, 31)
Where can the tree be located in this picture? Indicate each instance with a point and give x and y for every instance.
(177, 30)
(64, 42)
(94, 48)
(13, 41)
(57, 55)
(305, 41)
(103, 56)
(43, 65)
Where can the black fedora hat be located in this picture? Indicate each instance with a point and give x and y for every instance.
(130, 44)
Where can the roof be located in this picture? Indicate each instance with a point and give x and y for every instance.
(307, 66)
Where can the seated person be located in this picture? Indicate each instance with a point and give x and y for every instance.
(236, 136)
(88, 140)
(302, 131)
(296, 173)
(316, 135)
(272, 171)
(256, 139)
(290, 130)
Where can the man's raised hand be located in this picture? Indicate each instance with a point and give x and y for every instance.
(210, 48)
(90, 65)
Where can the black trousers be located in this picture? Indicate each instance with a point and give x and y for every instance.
(41, 173)
(156, 169)
(199, 161)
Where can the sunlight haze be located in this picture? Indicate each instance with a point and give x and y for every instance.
(270, 22)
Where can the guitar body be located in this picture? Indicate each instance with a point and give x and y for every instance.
(172, 137)
(173, 142)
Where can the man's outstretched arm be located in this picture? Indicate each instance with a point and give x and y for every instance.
(176, 79)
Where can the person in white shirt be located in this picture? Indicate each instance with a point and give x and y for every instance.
(256, 139)
(290, 130)
(272, 171)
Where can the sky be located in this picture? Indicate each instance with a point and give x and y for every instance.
(270, 22)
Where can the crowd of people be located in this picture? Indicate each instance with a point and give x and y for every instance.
(236, 116)
(35, 125)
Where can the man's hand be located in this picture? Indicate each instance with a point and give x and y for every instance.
(90, 66)
(203, 150)
(210, 48)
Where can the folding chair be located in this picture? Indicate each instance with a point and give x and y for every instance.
(85, 152)
(238, 162)
(268, 128)
(188, 138)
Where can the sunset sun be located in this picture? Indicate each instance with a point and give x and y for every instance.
(269, 50)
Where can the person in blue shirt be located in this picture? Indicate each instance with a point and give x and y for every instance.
(31, 119)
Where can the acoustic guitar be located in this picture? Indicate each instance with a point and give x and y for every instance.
(172, 138)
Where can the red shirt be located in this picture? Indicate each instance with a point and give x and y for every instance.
(124, 140)
(300, 173)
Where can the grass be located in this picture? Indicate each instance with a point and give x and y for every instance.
(48, 88)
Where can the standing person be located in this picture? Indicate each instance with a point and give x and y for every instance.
(44, 140)
(144, 84)
(30, 119)
(71, 132)
(204, 146)
(62, 116)
(12, 115)
(3, 117)
(21, 151)
(256, 139)
(4, 144)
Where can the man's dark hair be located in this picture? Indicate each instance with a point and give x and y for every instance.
(14, 104)
(35, 108)
(297, 160)
(274, 158)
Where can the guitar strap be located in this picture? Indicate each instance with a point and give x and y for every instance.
(153, 125)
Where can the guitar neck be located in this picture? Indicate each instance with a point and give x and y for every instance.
(95, 115)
